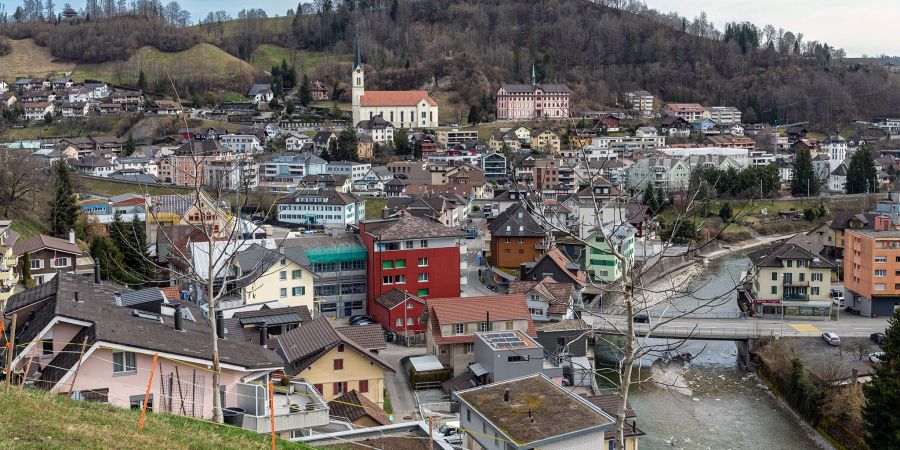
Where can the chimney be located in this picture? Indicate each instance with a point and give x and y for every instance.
(634, 426)
(71, 236)
(385, 213)
(882, 223)
(506, 395)
(220, 325)
(264, 335)
(76, 297)
(179, 321)
(118, 297)
(487, 320)
(97, 270)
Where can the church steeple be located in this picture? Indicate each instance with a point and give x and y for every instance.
(533, 76)
(358, 59)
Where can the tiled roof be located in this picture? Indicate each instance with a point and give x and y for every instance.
(40, 241)
(558, 258)
(395, 98)
(353, 406)
(516, 221)
(301, 311)
(475, 309)
(773, 256)
(408, 227)
(394, 297)
(369, 337)
(303, 346)
(558, 295)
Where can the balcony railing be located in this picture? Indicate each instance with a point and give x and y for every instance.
(296, 406)
(795, 296)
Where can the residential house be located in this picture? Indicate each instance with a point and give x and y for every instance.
(545, 140)
(167, 108)
(319, 354)
(792, 278)
(9, 261)
(506, 355)
(547, 299)
(668, 174)
(38, 96)
(525, 413)
(230, 173)
(319, 91)
(374, 180)
(8, 99)
(174, 209)
(724, 115)
(420, 432)
(687, 111)
(353, 170)
(128, 99)
(703, 125)
(556, 265)
(607, 122)
(413, 172)
(241, 143)
(75, 109)
(262, 275)
(516, 237)
(400, 312)
(726, 141)
(395, 187)
(296, 142)
(795, 133)
(4, 87)
(448, 210)
(609, 403)
(320, 207)
(599, 260)
(532, 101)
(413, 254)
(50, 256)
(494, 167)
(37, 110)
(261, 92)
(871, 268)
(453, 322)
(449, 138)
(339, 183)
(282, 173)
(142, 163)
(61, 83)
(96, 166)
(261, 325)
(501, 142)
(322, 140)
(640, 101)
(837, 179)
(675, 126)
(381, 131)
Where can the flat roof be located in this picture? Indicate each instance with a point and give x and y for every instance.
(877, 234)
(507, 340)
(534, 409)
(426, 363)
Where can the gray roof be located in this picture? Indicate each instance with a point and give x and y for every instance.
(529, 88)
(259, 87)
(406, 227)
(774, 255)
(303, 346)
(516, 221)
(142, 296)
(333, 197)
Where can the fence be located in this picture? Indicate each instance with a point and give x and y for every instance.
(181, 396)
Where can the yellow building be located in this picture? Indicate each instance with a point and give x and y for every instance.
(545, 140)
(266, 275)
(187, 209)
(9, 274)
(319, 354)
(792, 278)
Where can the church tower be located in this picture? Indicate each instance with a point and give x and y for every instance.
(358, 83)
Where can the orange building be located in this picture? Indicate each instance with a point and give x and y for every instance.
(516, 238)
(872, 269)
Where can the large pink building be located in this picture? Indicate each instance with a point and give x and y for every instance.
(533, 101)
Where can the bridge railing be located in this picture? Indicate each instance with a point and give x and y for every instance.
(669, 314)
(736, 333)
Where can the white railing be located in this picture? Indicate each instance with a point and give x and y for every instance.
(735, 333)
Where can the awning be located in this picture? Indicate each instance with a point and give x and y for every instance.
(426, 363)
(478, 370)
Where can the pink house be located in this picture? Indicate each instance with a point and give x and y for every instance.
(120, 331)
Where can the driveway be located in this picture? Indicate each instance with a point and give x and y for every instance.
(402, 399)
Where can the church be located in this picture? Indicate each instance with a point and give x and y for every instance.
(404, 109)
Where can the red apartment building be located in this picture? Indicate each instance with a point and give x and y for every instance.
(415, 255)
(400, 312)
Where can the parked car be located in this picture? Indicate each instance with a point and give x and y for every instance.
(641, 318)
(362, 322)
(877, 338)
(831, 338)
(451, 432)
(360, 317)
(837, 297)
(876, 357)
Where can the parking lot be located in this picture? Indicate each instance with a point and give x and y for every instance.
(835, 363)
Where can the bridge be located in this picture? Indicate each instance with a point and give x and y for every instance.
(735, 329)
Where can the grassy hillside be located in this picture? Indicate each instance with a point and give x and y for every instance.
(304, 61)
(205, 59)
(32, 419)
(27, 58)
(96, 126)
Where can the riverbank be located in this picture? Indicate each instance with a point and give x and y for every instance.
(763, 240)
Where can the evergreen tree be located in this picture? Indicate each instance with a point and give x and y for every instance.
(136, 254)
(277, 87)
(129, 147)
(26, 271)
(305, 92)
(142, 81)
(394, 10)
(111, 262)
(861, 174)
(289, 107)
(473, 115)
(347, 146)
(881, 415)
(650, 197)
(660, 199)
(401, 142)
(48, 119)
(63, 208)
(328, 154)
(725, 212)
(803, 178)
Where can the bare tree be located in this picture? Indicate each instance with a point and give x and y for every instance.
(600, 230)
(20, 179)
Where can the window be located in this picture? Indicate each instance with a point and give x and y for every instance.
(400, 264)
(774, 276)
(60, 262)
(468, 347)
(423, 292)
(282, 292)
(507, 240)
(409, 321)
(880, 273)
(816, 277)
(339, 364)
(387, 280)
(774, 289)
(282, 275)
(137, 402)
(423, 277)
(880, 259)
(399, 322)
(295, 291)
(815, 291)
(802, 276)
(517, 358)
(423, 243)
(521, 240)
(47, 345)
(879, 287)
(484, 326)
(536, 311)
(521, 251)
(295, 275)
(338, 388)
(124, 362)
(408, 244)
(363, 386)
(790, 263)
(423, 262)
(509, 324)
(37, 263)
(400, 279)
(340, 348)
(389, 264)
(459, 328)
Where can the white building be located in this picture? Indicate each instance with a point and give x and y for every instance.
(261, 92)
(295, 142)
(321, 207)
(837, 180)
(380, 130)
(241, 143)
(836, 148)
(724, 115)
(640, 101)
(405, 109)
(37, 110)
(353, 170)
(739, 155)
(147, 165)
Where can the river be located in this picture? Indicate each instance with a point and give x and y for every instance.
(718, 404)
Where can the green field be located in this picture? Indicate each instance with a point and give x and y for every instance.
(95, 425)
(61, 128)
(304, 61)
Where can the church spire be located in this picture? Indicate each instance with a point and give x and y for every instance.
(358, 59)
(533, 76)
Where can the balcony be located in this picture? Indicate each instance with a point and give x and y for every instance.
(794, 296)
(297, 406)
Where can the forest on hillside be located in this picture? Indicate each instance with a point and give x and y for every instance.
(467, 48)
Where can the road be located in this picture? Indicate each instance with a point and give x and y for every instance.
(474, 287)
(402, 399)
(739, 329)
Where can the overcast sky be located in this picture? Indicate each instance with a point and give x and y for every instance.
(857, 26)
